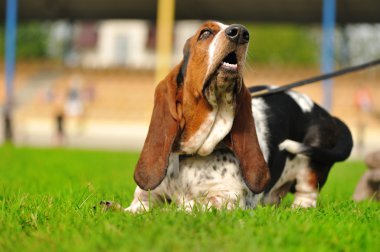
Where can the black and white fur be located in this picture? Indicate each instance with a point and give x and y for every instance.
(300, 142)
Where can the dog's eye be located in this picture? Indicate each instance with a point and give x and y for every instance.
(205, 34)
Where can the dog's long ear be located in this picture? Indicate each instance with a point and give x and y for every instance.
(154, 159)
(185, 61)
(245, 144)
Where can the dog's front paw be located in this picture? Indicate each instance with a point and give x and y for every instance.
(110, 206)
(305, 200)
(137, 208)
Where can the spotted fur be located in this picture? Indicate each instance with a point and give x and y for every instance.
(193, 181)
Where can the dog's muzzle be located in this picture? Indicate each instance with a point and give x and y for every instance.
(237, 34)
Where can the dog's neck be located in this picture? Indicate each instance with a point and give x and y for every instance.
(217, 123)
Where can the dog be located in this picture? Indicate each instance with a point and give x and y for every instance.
(209, 144)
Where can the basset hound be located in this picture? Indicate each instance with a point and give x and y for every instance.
(210, 144)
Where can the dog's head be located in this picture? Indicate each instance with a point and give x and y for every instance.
(215, 53)
(202, 102)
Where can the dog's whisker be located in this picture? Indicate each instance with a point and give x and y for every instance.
(249, 67)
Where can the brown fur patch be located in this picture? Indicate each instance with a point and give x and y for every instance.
(195, 106)
(313, 178)
(154, 159)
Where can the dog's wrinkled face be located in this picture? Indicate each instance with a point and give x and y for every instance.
(211, 73)
(215, 54)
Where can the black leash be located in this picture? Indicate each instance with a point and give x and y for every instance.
(259, 92)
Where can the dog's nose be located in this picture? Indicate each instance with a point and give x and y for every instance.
(237, 33)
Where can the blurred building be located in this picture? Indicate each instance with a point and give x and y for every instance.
(114, 43)
(132, 43)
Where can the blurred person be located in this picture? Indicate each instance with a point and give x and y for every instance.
(57, 99)
(7, 121)
(59, 117)
(88, 96)
(74, 106)
(364, 104)
(89, 93)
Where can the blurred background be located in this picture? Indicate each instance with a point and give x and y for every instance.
(82, 73)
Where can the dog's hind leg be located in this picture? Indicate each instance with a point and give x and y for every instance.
(306, 188)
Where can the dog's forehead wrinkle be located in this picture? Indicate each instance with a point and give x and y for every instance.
(214, 25)
(200, 48)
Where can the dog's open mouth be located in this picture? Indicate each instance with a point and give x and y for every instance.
(228, 69)
(230, 62)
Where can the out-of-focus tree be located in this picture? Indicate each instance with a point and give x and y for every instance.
(31, 40)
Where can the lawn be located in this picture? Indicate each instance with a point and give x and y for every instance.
(47, 199)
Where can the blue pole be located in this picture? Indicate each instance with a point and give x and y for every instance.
(10, 47)
(328, 26)
(10, 60)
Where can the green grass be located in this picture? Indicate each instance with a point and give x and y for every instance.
(47, 198)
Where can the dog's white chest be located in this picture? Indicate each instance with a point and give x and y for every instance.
(216, 126)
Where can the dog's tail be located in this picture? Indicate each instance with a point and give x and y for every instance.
(339, 152)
